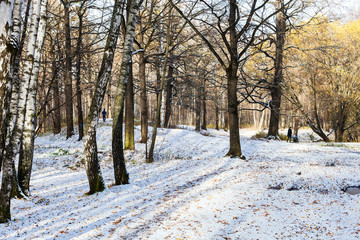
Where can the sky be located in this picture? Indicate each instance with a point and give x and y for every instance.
(347, 9)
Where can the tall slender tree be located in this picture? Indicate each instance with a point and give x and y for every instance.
(121, 175)
(68, 71)
(26, 158)
(92, 165)
(150, 158)
(8, 47)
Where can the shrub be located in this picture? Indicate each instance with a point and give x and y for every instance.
(259, 135)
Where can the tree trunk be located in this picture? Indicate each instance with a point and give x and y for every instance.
(198, 109)
(129, 112)
(159, 99)
(217, 113)
(7, 49)
(143, 98)
(121, 175)
(68, 67)
(275, 88)
(92, 165)
(169, 96)
(296, 127)
(339, 122)
(232, 79)
(203, 99)
(78, 78)
(25, 163)
(235, 148)
(56, 99)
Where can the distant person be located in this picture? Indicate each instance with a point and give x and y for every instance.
(289, 134)
(104, 115)
(295, 139)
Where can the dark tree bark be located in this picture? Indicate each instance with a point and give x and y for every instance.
(275, 88)
(232, 79)
(120, 173)
(217, 112)
(203, 100)
(339, 121)
(198, 109)
(56, 101)
(143, 98)
(78, 74)
(169, 96)
(56, 92)
(68, 67)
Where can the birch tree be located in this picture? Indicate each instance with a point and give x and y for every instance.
(26, 156)
(8, 45)
(121, 175)
(96, 182)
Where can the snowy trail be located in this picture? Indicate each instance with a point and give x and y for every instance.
(192, 191)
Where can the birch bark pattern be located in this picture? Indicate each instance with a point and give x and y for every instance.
(120, 173)
(150, 159)
(96, 181)
(26, 160)
(6, 49)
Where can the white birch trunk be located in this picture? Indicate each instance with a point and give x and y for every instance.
(121, 175)
(25, 163)
(163, 105)
(6, 49)
(18, 101)
(92, 166)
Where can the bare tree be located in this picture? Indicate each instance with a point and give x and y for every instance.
(92, 165)
(121, 175)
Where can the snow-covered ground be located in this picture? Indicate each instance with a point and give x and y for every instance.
(284, 191)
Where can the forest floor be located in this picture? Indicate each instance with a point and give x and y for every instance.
(283, 190)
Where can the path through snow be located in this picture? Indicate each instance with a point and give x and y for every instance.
(192, 191)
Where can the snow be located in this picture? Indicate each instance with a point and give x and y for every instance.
(192, 191)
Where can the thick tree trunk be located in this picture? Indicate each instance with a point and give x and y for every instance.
(232, 79)
(339, 122)
(78, 79)
(235, 148)
(169, 96)
(121, 175)
(92, 165)
(7, 49)
(25, 163)
(129, 113)
(275, 88)
(68, 67)
(143, 98)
